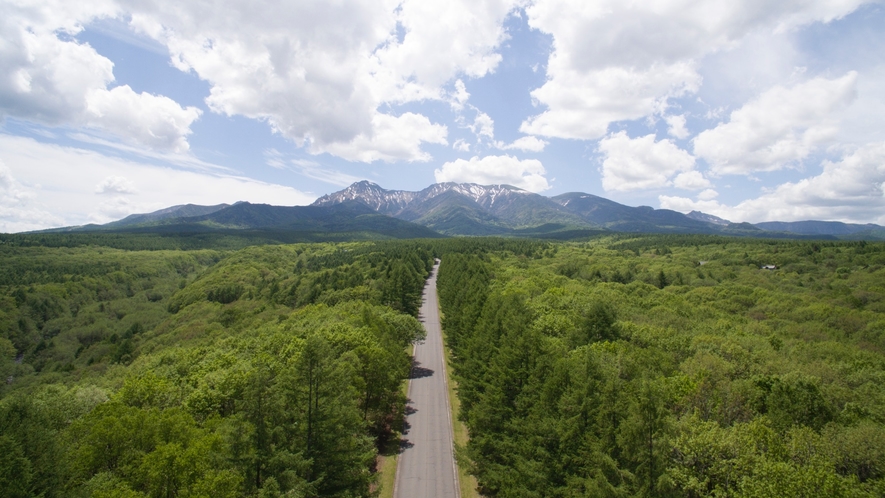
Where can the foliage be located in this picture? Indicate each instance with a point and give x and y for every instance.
(272, 370)
(671, 366)
(623, 366)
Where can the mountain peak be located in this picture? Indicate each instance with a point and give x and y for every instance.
(371, 194)
(472, 209)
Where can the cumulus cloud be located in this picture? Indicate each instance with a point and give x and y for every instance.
(441, 40)
(63, 181)
(52, 79)
(46, 78)
(115, 185)
(483, 126)
(528, 144)
(643, 163)
(691, 180)
(318, 72)
(780, 127)
(527, 174)
(849, 190)
(322, 74)
(391, 138)
(156, 121)
(615, 60)
(581, 104)
(708, 194)
(676, 126)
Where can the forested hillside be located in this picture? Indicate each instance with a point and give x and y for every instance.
(204, 373)
(622, 366)
(671, 366)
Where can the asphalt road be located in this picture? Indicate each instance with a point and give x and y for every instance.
(426, 466)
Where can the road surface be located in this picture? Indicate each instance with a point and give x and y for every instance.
(426, 466)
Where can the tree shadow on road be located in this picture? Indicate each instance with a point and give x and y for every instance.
(418, 371)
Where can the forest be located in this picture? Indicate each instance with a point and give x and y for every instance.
(671, 366)
(621, 365)
(269, 371)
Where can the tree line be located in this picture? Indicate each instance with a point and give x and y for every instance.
(269, 371)
(699, 375)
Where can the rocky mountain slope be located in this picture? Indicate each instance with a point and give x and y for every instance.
(471, 209)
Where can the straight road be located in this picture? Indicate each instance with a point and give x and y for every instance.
(426, 466)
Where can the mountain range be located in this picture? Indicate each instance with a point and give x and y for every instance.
(343, 221)
(470, 209)
(366, 210)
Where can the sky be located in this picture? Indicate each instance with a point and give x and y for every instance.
(748, 110)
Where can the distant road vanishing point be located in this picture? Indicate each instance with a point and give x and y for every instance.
(426, 466)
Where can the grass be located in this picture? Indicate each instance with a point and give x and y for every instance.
(388, 457)
(466, 482)
(386, 473)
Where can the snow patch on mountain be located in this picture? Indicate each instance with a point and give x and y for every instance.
(393, 202)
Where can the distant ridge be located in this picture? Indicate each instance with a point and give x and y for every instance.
(348, 220)
(812, 227)
(471, 209)
(366, 210)
(182, 211)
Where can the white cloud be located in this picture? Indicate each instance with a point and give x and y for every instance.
(676, 126)
(45, 78)
(615, 60)
(13, 191)
(115, 185)
(60, 187)
(441, 40)
(527, 174)
(709, 206)
(780, 127)
(461, 145)
(708, 194)
(849, 190)
(738, 74)
(318, 72)
(581, 104)
(862, 122)
(691, 180)
(528, 144)
(156, 121)
(391, 138)
(116, 208)
(483, 126)
(460, 96)
(643, 163)
(50, 78)
(17, 208)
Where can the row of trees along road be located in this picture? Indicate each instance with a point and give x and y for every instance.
(671, 366)
(268, 371)
(622, 366)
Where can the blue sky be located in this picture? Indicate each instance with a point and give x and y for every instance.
(746, 110)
